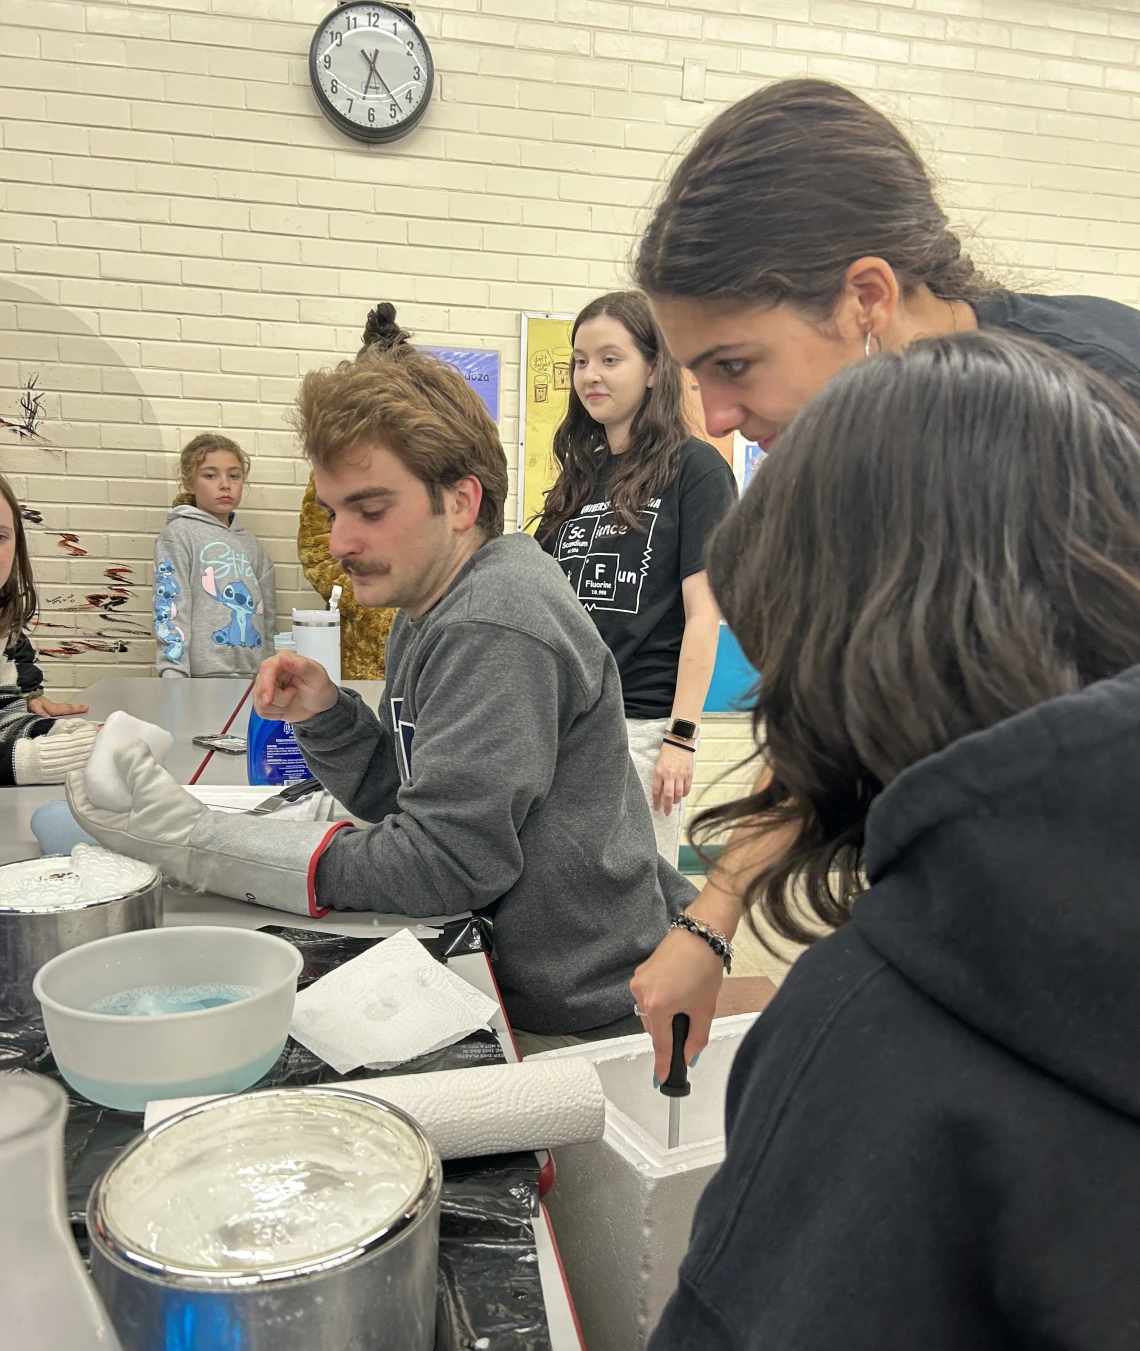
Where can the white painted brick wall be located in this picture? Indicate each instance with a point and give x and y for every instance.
(182, 234)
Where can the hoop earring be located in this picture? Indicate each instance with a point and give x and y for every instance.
(867, 344)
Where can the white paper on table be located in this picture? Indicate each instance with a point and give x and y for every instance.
(389, 1005)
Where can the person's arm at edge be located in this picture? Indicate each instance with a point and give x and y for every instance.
(684, 974)
(673, 777)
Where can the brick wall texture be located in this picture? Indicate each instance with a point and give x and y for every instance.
(182, 234)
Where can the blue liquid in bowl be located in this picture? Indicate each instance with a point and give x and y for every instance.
(149, 1001)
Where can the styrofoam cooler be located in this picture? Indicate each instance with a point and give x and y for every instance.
(623, 1205)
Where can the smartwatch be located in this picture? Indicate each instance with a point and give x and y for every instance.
(681, 727)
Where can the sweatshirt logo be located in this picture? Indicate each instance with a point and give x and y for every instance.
(405, 735)
(224, 568)
(168, 633)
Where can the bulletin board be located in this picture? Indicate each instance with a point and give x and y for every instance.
(544, 393)
(479, 366)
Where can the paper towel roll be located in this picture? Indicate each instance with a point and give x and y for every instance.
(490, 1109)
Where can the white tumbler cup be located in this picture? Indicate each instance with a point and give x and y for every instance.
(316, 634)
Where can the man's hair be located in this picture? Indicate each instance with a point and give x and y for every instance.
(416, 406)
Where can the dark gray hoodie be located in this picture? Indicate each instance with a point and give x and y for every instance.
(498, 775)
(215, 597)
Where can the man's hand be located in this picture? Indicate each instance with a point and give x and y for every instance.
(43, 707)
(289, 688)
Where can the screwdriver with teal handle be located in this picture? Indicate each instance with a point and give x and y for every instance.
(677, 1085)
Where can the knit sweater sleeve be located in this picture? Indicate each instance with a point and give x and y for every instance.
(29, 677)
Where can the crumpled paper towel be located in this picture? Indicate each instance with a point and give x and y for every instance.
(105, 787)
(387, 1006)
(486, 1109)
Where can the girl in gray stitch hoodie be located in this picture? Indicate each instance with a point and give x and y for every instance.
(215, 594)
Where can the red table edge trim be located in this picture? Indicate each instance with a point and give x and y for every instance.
(562, 1273)
(210, 754)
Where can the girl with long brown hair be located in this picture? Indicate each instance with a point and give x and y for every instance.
(801, 235)
(627, 518)
(933, 1130)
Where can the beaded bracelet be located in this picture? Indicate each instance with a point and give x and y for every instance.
(713, 937)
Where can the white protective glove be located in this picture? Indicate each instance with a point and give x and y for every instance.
(51, 757)
(249, 858)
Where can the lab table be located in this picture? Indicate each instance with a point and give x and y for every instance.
(189, 708)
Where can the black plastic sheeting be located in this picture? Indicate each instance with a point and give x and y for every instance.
(489, 1292)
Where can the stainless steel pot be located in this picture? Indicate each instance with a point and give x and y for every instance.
(31, 937)
(158, 1266)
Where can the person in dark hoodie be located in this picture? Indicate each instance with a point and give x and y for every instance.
(934, 1129)
(215, 591)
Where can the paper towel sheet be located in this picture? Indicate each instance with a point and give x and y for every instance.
(389, 1005)
(492, 1109)
(104, 785)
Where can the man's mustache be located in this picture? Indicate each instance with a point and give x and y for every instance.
(365, 569)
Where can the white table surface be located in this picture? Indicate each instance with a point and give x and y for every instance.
(189, 708)
(186, 708)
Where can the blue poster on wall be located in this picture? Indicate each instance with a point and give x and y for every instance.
(479, 367)
(752, 457)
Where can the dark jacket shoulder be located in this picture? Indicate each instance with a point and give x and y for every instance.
(1102, 333)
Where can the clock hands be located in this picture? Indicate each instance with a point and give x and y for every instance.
(373, 71)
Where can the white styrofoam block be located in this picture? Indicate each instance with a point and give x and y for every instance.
(622, 1206)
(105, 786)
(489, 1109)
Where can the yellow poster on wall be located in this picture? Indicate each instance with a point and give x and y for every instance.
(544, 391)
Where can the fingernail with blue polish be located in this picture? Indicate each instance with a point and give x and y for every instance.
(693, 1062)
(656, 1082)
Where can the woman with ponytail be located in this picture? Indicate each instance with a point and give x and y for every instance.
(363, 631)
(800, 236)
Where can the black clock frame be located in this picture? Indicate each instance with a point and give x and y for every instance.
(379, 134)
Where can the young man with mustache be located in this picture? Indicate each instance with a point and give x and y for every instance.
(496, 772)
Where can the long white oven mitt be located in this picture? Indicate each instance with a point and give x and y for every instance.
(250, 858)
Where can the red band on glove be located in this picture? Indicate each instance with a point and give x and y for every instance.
(316, 911)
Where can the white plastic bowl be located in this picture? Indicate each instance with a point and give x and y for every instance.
(124, 1061)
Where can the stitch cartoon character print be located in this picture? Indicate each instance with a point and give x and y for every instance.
(225, 577)
(166, 591)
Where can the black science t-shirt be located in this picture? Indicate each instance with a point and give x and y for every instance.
(1102, 333)
(630, 583)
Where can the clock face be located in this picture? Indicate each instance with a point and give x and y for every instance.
(371, 70)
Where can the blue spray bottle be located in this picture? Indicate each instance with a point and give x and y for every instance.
(272, 754)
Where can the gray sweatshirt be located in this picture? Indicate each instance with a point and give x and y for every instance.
(215, 597)
(498, 775)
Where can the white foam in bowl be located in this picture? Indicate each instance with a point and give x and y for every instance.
(91, 875)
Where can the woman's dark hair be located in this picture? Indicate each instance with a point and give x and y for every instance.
(784, 191)
(381, 329)
(941, 540)
(18, 603)
(648, 464)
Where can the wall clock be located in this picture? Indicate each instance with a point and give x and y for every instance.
(371, 70)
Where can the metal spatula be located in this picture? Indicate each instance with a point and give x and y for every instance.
(292, 793)
(677, 1085)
